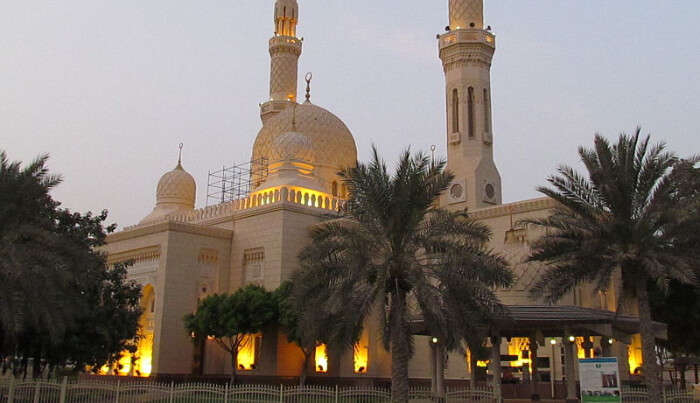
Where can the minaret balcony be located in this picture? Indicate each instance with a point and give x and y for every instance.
(288, 44)
(467, 36)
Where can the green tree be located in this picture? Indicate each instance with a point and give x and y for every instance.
(110, 325)
(621, 218)
(231, 319)
(397, 253)
(55, 287)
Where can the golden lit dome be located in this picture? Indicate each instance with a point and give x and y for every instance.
(328, 142)
(176, 193)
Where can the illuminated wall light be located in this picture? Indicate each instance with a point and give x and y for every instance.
(517, 346)
(140, 362)
(124, 364)
(144, 355)
(360, 358)
(635, 353)
(246, 355)
(321, 359)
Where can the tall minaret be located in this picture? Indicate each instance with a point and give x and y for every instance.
(285, 49)
(466, 51)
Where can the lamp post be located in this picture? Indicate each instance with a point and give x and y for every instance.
(552, 365)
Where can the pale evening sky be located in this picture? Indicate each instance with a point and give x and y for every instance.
(109, 88)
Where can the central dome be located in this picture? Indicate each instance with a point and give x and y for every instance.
(292, 146)
(327, 144)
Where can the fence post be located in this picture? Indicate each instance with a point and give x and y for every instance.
(171, 398)
(226, 393)
(281, 393)
(118, 390)
(37, 391)
(11, 393)
(337, 394)
(62, 395)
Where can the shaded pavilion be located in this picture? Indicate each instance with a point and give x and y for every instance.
(547, 321)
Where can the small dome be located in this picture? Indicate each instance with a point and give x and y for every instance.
(292, 146)
(331, 143)
(177, 187)
(176, 193)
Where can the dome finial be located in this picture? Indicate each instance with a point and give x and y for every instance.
(308, 78)
(179, 156)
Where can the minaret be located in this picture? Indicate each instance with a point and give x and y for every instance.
(285, 49)
(466, 51)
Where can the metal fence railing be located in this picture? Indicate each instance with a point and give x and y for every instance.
(638, 394)
(93, 391)
(89, 391)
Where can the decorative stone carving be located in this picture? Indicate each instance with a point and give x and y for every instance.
(464, 13)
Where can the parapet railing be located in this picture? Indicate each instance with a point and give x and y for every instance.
(284, 194)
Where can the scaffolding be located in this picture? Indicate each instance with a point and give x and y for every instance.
(235, 182)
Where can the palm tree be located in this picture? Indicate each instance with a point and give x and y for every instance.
(619, 220)
(305, 320)
(397, 255)
(32, 257)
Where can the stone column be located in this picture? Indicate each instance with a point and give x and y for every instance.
(495, 365)
(535, 376)
(433, 369)
(570, 369)
(606, 347)
(440, 370)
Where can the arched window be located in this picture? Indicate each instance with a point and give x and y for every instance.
(334, 189)
(455, 111)
(470, 110)
(487, 111)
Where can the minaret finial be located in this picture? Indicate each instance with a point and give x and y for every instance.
(308, 78)
(179, 156)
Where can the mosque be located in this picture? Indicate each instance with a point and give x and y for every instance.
(182, 253)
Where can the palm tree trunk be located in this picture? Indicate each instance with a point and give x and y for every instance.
(648, 342)
(472, 368)
(400, 348)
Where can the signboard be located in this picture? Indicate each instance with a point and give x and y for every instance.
(600, 380)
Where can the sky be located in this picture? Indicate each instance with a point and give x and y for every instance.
(110, 88)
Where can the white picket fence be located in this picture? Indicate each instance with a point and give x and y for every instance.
(83, 391)
(632, 394)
